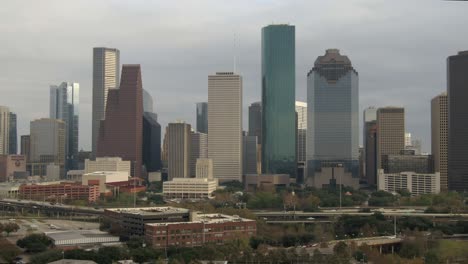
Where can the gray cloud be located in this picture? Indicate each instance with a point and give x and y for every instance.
(398, 47)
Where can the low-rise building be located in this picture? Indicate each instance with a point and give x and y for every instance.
(415, 183)
(101, 178)
(9, 164)
(202, 229)
(107, 164)
(75, 175)
(189, 188)
(254, 181)
(132, 220)
(133, 185)
(58, 191)
(80, 237)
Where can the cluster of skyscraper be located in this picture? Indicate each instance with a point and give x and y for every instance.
(314, 142)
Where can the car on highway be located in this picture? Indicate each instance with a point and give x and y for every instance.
(310, 218)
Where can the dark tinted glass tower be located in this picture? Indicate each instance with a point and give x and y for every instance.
(333, 105)
(370, 145)
(120, 134)
(255, 120)
(278, 100)
(457, 92)
(202, 117)
(151, 142)
(13, 144)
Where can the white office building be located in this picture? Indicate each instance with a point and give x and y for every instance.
(107, 164)
(225, 125)
(415, 183)
(189, 188)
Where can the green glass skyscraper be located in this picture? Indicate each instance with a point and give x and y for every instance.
(278, 100)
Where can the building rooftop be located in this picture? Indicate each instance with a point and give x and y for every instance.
(149, 210)
(72, 261)
(208, 219)
(77, 234)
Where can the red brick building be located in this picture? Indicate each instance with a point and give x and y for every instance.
(120, 134)
(133, 185)
(66, 191)
(204, 228)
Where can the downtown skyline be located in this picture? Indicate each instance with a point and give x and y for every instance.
(389, 67)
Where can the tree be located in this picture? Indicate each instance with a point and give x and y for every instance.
(290, 201)
(8, 251)
(310, 203)
(34, 243)
(10, 227)
(341, 249)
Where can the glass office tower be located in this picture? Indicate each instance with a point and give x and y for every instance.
(278, 100)
(64, 105)
(333, 104)
(202, 117)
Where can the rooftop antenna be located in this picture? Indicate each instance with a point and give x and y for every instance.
(235, 54)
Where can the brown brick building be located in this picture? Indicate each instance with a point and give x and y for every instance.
(120, 134)
(204, 228)
(66, 191)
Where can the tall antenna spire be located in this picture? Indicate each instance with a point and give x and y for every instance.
(235, 54)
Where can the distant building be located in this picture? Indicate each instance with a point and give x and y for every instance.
(101, 178)
(9, 164)
(202, 117)
(132, 220)
(25, 146)
(151, 142)
(106, 75)
(199, 150)
(53, 172)
(408, 139)
(401, 163)
(179, 150)
(278, 58)
(255, 121)
(13, 141)
(439, 137)
(147, 102)
(254, 181)
(415, 183)
(4, 130)
(205, 228)
(107, 164)
(64, 105)
(82, 156)
(333, 118)
(225, 125)
(457, 96)
(75, 175)
(204, 169)
(58, 192)
(249, 149)
(370, 145)
(189, 188)
(121, 132)
(301, 110)
(390, 132)
(77, 238)
(47, 145)
(333, 175)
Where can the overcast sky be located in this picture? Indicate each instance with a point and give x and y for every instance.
(399, 48)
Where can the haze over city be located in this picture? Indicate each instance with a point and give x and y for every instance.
(399, 49)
